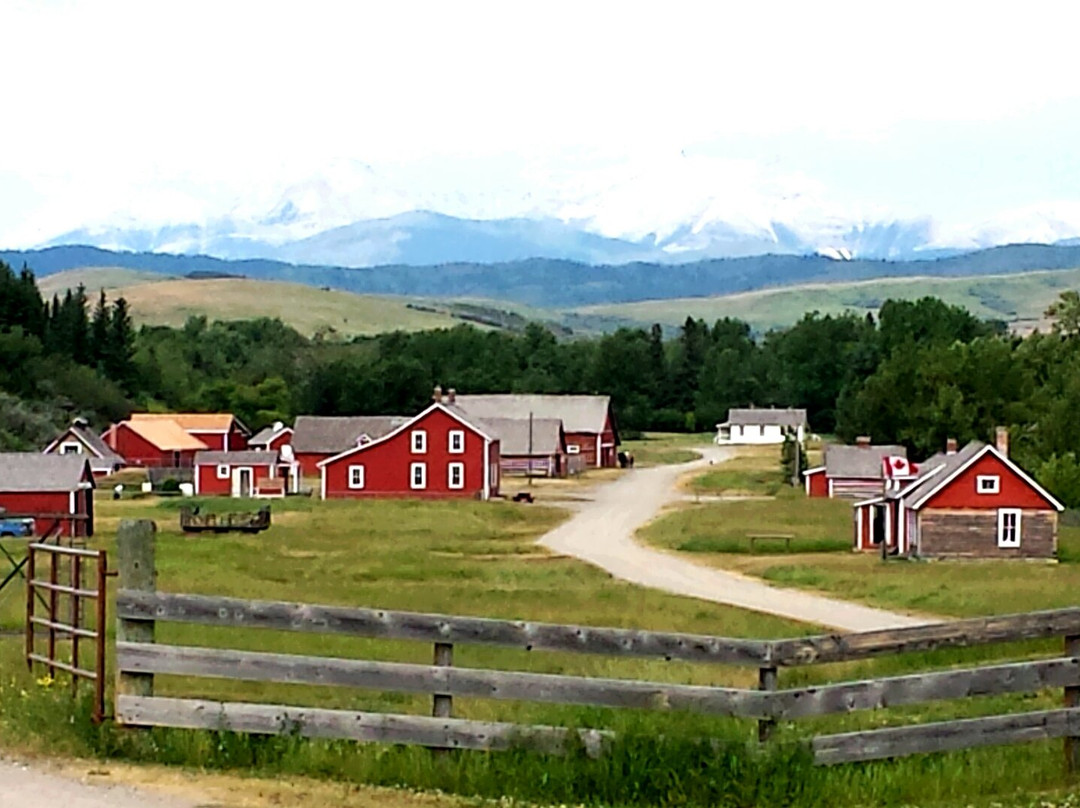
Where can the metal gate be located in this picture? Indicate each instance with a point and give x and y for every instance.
(64, 582)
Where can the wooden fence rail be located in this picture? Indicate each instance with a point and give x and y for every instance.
(139, 658)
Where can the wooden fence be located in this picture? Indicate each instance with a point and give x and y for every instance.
(139, 607)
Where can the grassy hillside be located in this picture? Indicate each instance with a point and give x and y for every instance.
(1017, 298)
(95, 278)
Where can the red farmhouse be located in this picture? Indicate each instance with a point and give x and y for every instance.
(58, 487)
(437, 454)
(851, 472)
(219, 432)
(153, 443)
(79, 439)
(244, 474)
(973, 503)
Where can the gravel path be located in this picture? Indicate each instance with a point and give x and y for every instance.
(602, 533)
(22, 786)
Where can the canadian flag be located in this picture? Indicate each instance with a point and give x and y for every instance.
(896, 466)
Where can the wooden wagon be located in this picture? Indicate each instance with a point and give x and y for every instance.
(193, 521)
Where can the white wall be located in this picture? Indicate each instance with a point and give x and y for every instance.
(754, 435)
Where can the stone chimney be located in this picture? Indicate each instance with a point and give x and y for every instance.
(1001, 440)
(451, 396)
(863, 441)
(436, 396)
(950, 446)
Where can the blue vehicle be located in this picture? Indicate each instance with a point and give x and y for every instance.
(13, 528)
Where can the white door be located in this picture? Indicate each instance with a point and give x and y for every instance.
(242, 482)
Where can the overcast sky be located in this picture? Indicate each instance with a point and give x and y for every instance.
(627, 115)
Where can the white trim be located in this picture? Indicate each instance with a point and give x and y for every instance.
(450, 468)
(237, 473)
(221, 471)
(390, 435)
(198, 485)
(573, 449)
(993, 481)
(356, 486)
(830, 489)
(78, 445)
(412, 476)
(418, 441)
(1009, 464)
(322, 483)
(455, 433)
(888, 525)
(1002, 514)
(901, 528)
(71, 503)
(48, 449)
(487, 469)
(858, 527)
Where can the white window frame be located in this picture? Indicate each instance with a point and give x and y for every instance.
(460, 469)
(456, 441)
(71, 444)
(988, 484)
(222, 471)
(418, 441)
(422, 484)
(357, 477)
(573, 448)
(1003, 514)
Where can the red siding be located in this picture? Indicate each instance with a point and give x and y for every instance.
(283, 439)
(818, 484)
(232, 441)
(138, 451)
(1015, 492)
(208, 484)
(51, 502)
(587, 441)
(387, 462)
(309, 462)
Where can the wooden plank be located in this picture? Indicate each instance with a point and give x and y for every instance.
(1072, 700)
(767, 682)
(945, 736)
(410, 678)
(873, 694)
(135, 551)
(276, 719)
(386, 624)
(977, 631)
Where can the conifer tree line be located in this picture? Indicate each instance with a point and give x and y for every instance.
(917, 373)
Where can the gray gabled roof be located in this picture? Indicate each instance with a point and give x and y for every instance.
(937, 468)
(859, 462)
(101, 455)
(578, 413)
(237, 458)
(319, 434)
(513, 436)
(267, 434)
(759, 416)
(34, 471)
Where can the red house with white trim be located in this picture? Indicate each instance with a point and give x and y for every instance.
(438, 454)
(56, 488)
(248, 473)
(971, 503)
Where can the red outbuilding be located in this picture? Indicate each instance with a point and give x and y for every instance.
(851, 472)
(56, 489)
(319, 437)
(248, 473)
(218, 431)
(271, 438)
(440, 453)
(153, 443)
(79, 439)
(971, 503)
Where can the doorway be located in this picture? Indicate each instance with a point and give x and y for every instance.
(242, 482)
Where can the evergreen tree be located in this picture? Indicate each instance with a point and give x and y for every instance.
(118, 362)
(792, 458)
(99, 330)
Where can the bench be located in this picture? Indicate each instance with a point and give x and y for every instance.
(523, 496)
(756, 537)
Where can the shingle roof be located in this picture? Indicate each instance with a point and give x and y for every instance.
(33, 471)
(317, 434)
(101, 456)
(860, 462)
(513, 435)
(192, 421)
(937, 468)
(755, 416)
(577, 413)
(165, 434)
(238, 458)
(265, 435)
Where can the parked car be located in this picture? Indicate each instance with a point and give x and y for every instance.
(10, 528)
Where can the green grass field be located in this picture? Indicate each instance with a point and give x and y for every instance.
(665, 448)
(1019, 299)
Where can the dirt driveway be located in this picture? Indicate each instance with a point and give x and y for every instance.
(602, 533)
(23, 785)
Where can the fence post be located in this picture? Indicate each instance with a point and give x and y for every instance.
(441, 704)
(135, 545)
(767, 679)
(1072, 700)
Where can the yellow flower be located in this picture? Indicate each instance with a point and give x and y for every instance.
(46, 681)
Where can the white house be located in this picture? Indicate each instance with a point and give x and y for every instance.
(759, 426)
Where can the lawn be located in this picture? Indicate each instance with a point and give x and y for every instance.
(666, 448)
(753, 471)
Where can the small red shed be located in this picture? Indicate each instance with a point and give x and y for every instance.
(438, 454)
(59, 488)
(271, 438)
(248, 473)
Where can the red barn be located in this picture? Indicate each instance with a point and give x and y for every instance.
(317, 438)
(271, 438)
(248, 473)
(219, 432)
(588, 422)
(972, 503)
(438, 454)
(53, 485)
(79, 439)
(153, 443)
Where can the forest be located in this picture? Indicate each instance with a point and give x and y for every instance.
(917, 374)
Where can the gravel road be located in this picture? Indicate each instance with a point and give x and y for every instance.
(602, 533)
(26, 786)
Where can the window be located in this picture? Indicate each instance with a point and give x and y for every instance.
(70, 448)
(1009, 527)
(457, 441)
(418, 476)
(455, 475)
(573, 448)
(223, 472)
(988, 484)
(356, 476)
(419, 442)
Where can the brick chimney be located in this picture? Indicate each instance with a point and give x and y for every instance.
(950, 446)
(451, 396)
(863, 441)
(436, 396)
(1001, 440)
